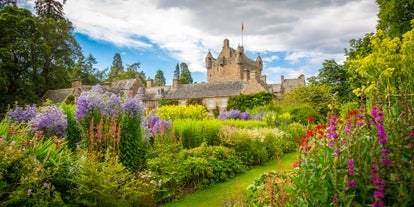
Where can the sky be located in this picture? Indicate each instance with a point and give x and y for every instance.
(292, 37)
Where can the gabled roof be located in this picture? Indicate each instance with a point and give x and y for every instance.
(121, 87)
(155, 93)
(203, 90)
(57, 96)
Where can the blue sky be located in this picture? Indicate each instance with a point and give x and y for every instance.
(293, 37)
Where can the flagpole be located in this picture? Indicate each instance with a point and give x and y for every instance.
(242, 29)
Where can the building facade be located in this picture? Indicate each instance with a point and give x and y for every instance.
(231, 73)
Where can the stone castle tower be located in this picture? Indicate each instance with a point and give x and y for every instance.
(233, 65)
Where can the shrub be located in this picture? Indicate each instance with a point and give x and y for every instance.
(194, 132)
(51, 120)
(19, 115)
(108, 183)
(362, 159)
(73, 131)
(244, 102)
(255, 146)
(195, 112)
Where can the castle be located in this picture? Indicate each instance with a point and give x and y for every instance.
(230, 74)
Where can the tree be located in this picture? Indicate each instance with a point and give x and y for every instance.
(85, 71)
(131, 71)
(388, 67)
(177, 72)
(335, 77)
(142, 77)
(159, 79)
(395, 16)
(117, 68)
(49, 9)
(185, 77)
(36, 54)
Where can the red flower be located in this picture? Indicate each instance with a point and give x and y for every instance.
(311, 118)
(310, 133)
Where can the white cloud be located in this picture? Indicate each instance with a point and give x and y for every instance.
(312, 30)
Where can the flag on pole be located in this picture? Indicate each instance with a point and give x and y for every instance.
(242, 26)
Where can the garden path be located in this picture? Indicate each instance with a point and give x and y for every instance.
(215, 195)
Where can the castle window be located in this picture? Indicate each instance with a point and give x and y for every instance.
(223, 102)
(211, 103)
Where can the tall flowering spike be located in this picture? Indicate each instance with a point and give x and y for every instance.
(351, 167)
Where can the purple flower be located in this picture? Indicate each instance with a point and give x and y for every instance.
(50, 120)
(386, 162)
(378, 204)
(245, 115)
(351, 167)
(133, 106)
(412, 133)
(351, 184)
(19, 115)
(378, 194)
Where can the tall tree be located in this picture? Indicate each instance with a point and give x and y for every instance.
(185, 77)
(177, 71)
(36, 54)
(131, 71)
(395, 16)
(334, 76)
(49, 9)
(159, 79)
(117, 68)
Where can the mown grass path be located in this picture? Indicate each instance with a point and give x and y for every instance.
(215, 195)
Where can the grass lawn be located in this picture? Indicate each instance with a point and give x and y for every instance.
(215, 195)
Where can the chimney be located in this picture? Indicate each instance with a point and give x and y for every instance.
(150, 83)
(76, 83)
(245, 75)
(176, 83)
(282, 79)
(253, 75)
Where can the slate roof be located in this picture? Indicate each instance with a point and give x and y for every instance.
(202, 90)
(155, 93)
(121, 87)
(57, 96)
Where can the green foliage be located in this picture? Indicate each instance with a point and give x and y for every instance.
(34, 42)
(73, 131)
(244, 102)
(195, 101)
(29, 168)
(172, 112)
(132, 144)
(395, 16)
(194, 132)
(335, 77)
(177, 72)
(185, 76)
(255, 146)
(107, 183)
(247, 124)
(333, 163)
(159, 79)
(166, 102)
(190, 170)
(387, 67)
(317, 97)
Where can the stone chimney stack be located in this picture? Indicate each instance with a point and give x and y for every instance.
(150, 83)
(253, 75)
(282, 79)
(176, 83)
(76, 83)
(245, 75)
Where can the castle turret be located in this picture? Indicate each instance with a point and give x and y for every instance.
(209, 60)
